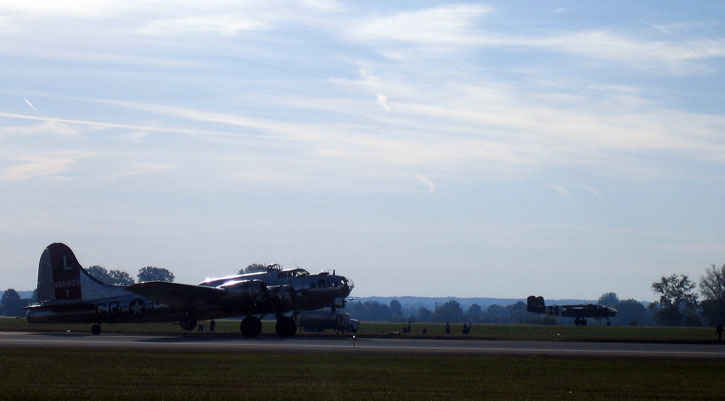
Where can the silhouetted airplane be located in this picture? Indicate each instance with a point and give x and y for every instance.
(67, 293)
(579, 312)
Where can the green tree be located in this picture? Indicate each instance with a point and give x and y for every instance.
(474, 313)
(678, 302)
(253, 268)
(151, 273)
(424, 314)
(396, 310)
(609, 299)
(630, 312)
(99, 273)
(517, 312)
(712, 288)
(112, 277)
(448, 312)
(119, 277)
(11, 302)
(497, 314)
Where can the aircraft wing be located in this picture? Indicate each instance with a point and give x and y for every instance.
(178, 295)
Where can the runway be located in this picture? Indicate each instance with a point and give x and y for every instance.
(347, 344)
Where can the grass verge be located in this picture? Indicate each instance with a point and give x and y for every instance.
(432, 330)
(52, 374)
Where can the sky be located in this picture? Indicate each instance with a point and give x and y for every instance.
(493, 149)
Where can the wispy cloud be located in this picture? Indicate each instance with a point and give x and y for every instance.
(560, 189)
(458, 26)
(592, 190)
(427, 182)
(145, 168)
(440, 25)
(41, 165)
(383, 101)
(40, 128)
(30, 104)
(221, 24)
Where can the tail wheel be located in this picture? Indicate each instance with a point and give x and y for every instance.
(250, 326)
(96, 329)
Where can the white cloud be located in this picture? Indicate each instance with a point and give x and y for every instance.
(220, 24)
(62, 124)
(457, 26)
(144, 168)
(40, 165)
(442, 25)
(383, 101)
(30, 104)
(592, 190)
(429, 184)
(71, 8)
(560, 189)
(42, 128)
(136, 136)
(607, 45)
(325, 5)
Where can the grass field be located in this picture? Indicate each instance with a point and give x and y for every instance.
(492, 332)
(137, 375)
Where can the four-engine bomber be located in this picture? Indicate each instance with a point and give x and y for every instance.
(67, 293)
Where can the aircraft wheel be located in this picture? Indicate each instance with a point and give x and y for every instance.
(286, 326)
(250, 326)
(96, 329)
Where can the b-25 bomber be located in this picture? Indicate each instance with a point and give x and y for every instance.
(67, 293)
(580, 312)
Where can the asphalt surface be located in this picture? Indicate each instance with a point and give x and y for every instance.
(347, 344)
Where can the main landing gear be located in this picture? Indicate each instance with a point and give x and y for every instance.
(250, 327)
(96, 329)
(286, 326)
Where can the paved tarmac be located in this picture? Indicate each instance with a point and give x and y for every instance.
(347, 344)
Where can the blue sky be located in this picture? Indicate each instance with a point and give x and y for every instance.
(501, 149)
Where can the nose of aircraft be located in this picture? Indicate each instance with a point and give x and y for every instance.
(347, 285)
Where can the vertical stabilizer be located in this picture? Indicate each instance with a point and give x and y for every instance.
(59, 274)
(61, 278)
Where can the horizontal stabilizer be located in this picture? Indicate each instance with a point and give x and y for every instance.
(177, 295)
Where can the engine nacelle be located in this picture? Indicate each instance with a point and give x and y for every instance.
(245, 291)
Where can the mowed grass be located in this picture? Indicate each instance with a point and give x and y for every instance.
(54, 374)
(433, 330)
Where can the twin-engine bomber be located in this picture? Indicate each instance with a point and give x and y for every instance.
(580, 312)
(67, 293)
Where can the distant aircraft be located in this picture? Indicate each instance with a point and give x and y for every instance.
(67, 293)
(579, 312)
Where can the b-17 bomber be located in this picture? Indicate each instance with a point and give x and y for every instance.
(67, 293)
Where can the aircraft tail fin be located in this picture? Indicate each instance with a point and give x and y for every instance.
(61, 278)
(59, 274)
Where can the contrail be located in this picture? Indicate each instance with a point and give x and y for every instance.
(30, 104)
